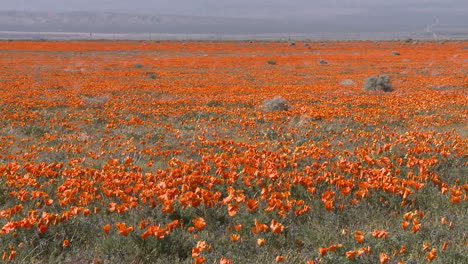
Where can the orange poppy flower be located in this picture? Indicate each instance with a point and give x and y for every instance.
(379, 234)
(426, 246)
(405, 224)
(12, 255)
(359, 236)
(224, 260)
(172, 225)
(351, 254)
(415, 228)
(363, 251)
(260, 241)
(276, 227)
(259, 227)
(199, 223)
(112, 207)
(43, 228)
(384, 258)
(252, 205)
(334, 247)
(235, 237)
(86, 212)
(323, 251)
(232, 209)
(431, 255)
(48, 202)
(106, 229)
(199, 260)
(279, 258)
(123, 229)
(444, 245)
(402, 249)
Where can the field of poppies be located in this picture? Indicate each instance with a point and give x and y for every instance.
(164, 152)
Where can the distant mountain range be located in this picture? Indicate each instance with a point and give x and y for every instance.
(135, 23)
(105, 22)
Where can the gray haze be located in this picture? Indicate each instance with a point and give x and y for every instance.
(284, 9)
(430, 17)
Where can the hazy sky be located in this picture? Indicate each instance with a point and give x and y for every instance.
(283, 9)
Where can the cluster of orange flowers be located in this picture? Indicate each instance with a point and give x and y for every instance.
(84, 135)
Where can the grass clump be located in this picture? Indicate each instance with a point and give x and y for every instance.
(272, 62)
(378, 83)
(347, 82)
(151, 75)
(322, 61)
(277, 103)
(212, 103)
(95, 101)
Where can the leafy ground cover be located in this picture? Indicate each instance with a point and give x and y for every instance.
(162, 152)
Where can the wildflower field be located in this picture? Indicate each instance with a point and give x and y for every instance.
(171, 152)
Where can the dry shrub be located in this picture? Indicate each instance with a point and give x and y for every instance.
(440, 87)
(378, 83)
(277, 103)
(98, 100)
(347, 82)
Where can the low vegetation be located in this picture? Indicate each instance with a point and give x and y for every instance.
(322, 61)
(378, 83)
(101, 164)
(277, 103)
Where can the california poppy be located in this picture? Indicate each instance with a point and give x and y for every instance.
(199, 223)
(260, 241)
(199, 260)
(323, 251)
(235, 237)
(106, 229)
(384, 258)
(276, 227)
(279, 258)
(224, 260)
(431, 255)
(444, 245)
(351, 254)
(359, 236)
(379, 234)
(65, 243)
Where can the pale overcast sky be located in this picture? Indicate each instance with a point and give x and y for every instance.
(282, 9)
